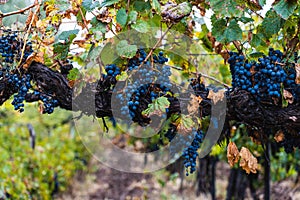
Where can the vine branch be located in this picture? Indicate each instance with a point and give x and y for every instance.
(21, 11)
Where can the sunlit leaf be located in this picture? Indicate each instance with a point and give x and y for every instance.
(126, 50)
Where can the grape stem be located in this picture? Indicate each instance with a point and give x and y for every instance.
(156, 45)
(21, 11)
(205, 76)
(28, 31)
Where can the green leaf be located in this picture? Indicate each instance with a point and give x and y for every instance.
(162, 103)
(68, 35)
(141, 26)
(257, 40)
(246, 19)
(141, 6)
(225, 7)
(132, 17)
(73, 74)
(156, 5)
(61, 50)
(94, 52)
(186, 121)
(285, 8)
(271, 24)
(90, 5)
(262, 2)
(256, 54)
(233, 32)
(122, 17)
(226, 34)
(97, 25)
(218, 29)
(109, 2)
(126, 50)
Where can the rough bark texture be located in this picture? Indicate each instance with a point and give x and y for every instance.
(241, 106)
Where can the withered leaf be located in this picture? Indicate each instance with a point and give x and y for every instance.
(31, 19)
(279, 136)
(248, 162)
(288, 96)
(233, 154)
(194, 104)
(215, 97)
(297, 73)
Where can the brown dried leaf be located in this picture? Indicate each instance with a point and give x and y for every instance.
(215, 97)
(288, 96)
(37, 57)
(256, 137)
(48, 41)
(248, 161)
(297, 73)
(211, 38)
(194, 104)
(218, 47)
(225, 55)
(233, 154)
(279, 136)
(30, 20)
(80, 43)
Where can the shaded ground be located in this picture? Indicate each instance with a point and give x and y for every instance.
(104, 183)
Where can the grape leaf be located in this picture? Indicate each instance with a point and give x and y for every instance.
(246, 19)
(126, 50)
(68, 35)
(156, 5)
(73, 74)
(97, 25)
(132, 16)
(271, 24)
(285, 8)
(141, 26)
(225, 7)
(233, 31)
(162, 103)
(157, 107)
(90, 5)
(257, 40)
(262, 2)
(109, 2)
(141, 5)
(122, 17)
(256, 54)
(218, 29)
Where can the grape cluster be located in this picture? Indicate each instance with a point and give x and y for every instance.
(49, 101)
(150, 82)
(22, 85)
(190, 153)
(11, 47)
(263, 78)
(112, 70)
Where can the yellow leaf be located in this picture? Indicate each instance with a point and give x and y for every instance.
(248, 161)
(31, 19)
(232, 154)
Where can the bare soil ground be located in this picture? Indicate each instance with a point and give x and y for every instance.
(104, 183)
